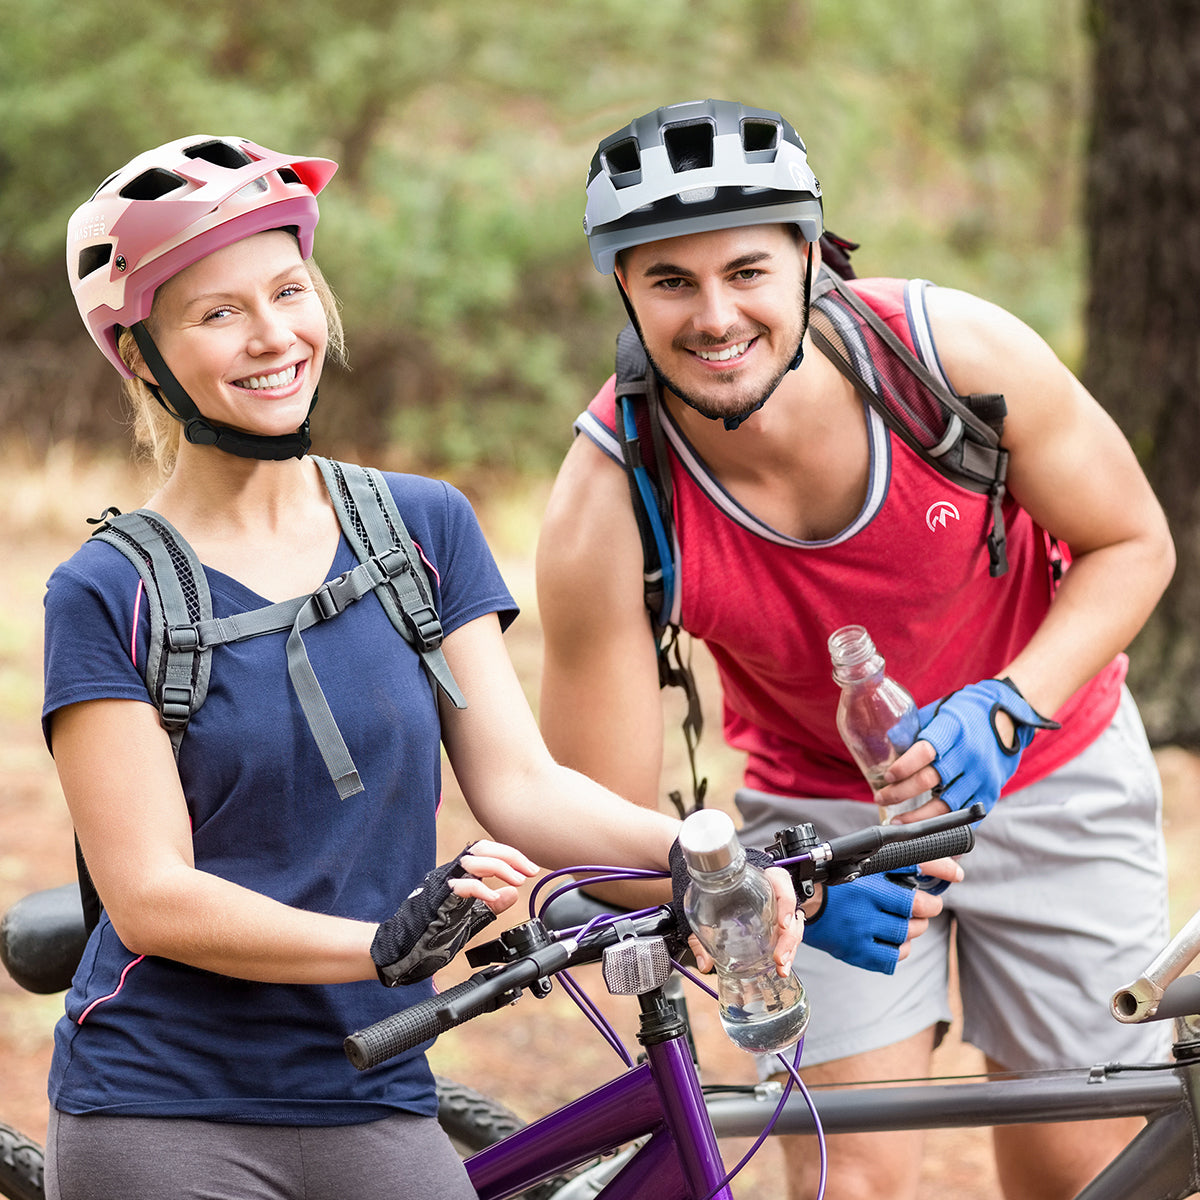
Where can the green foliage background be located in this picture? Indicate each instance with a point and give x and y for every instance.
(948, 137)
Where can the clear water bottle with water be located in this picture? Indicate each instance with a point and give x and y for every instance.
(731, 908)
(876, 717)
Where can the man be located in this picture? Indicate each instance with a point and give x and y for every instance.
(797, 511)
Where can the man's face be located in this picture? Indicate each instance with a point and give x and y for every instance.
(721, 313)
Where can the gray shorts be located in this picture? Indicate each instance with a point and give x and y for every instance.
(164, 1158)
(1064, 900)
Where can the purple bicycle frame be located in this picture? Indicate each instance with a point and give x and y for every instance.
(660, 1097)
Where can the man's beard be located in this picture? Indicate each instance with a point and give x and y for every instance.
(712, 408)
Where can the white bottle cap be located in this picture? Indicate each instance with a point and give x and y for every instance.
(709, 841)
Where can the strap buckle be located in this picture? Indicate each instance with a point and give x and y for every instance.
(182, 638)
(335, 596)
(176, 705)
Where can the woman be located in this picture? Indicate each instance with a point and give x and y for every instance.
(241, 936)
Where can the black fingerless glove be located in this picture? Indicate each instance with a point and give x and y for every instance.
(429, 929)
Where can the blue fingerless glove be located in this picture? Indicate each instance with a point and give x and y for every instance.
(864, 922)
(971, 758)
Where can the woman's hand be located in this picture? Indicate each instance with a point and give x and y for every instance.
(446, 910)
(492, 860)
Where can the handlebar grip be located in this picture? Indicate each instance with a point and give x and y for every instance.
(946, 843)
(1180, 998)
(410, 1027)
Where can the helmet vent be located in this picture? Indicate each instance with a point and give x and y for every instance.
(288, 175)
(758, 136)
(152, 184)
(92, 258)
(220, 154)
(689, 147)
(623, 161)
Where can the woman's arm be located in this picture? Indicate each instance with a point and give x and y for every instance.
(121, 785)
(521, 795)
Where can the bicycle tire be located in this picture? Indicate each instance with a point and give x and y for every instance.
(22, 1168)
(474, 1121)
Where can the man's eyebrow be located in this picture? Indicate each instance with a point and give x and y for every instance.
(662, 270)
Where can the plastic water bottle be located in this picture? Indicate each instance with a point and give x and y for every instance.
(876, 717)
(731, 908)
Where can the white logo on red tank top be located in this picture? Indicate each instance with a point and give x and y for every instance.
(938, 514)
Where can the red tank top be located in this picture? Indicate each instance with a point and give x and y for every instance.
(912, 568)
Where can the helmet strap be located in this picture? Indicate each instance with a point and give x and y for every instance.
(199, 430)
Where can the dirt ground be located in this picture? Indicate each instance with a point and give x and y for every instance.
(532, 1056)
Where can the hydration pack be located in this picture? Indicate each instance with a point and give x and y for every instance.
(957, 435)
(184, 632)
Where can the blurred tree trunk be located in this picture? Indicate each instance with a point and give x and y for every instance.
(1143, 311)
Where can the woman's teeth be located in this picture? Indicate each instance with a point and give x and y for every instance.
(279, 379)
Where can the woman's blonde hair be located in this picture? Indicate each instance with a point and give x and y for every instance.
(156, 433)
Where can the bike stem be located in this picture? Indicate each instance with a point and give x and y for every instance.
(663, 1033)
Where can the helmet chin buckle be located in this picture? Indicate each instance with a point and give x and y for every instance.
(199, 432)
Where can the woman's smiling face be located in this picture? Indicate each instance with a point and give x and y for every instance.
(244, 333)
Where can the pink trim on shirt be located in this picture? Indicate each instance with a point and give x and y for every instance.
(137, 609)
(430, 565)
(83, 1016)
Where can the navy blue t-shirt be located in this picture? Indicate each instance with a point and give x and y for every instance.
(148, 1036)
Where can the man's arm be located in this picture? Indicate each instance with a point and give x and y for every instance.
(1076, 475)
(600, 710)
(600, 706)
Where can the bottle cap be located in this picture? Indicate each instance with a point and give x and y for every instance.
(709, 841)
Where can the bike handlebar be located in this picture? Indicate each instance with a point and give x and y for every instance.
(1142, 1000)
(870, 851)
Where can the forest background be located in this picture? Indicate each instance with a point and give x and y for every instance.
(1036, 153)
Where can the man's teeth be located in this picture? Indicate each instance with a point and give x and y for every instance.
(723, 355)
(279, 379)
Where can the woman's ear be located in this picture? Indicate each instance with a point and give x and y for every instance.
(131, 355)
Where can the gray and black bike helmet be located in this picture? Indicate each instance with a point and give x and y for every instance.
(695, 167)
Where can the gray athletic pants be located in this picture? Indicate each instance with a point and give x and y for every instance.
(402, 1157)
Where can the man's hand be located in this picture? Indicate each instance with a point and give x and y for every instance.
(871, 922)
(969, 747)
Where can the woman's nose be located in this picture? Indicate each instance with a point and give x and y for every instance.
(270, 333)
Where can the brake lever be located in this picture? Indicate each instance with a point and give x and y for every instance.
(837, 860)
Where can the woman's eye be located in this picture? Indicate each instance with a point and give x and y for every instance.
(217, 313)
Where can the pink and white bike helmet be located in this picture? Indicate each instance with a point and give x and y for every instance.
(171, 206)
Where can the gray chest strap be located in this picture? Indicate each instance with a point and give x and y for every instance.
(184, 634)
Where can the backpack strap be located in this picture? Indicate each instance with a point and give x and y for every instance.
(183, 630)
(177, 665)
(649, 473)
(374, 528)
(639, 428)
(957, 435)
